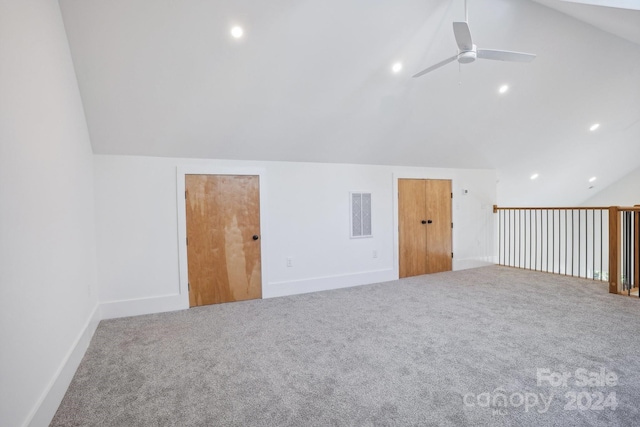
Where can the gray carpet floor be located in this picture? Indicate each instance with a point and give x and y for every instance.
(467, 348)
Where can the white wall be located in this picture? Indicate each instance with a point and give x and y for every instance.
(47, 235)
(624, 192)
(306, 217)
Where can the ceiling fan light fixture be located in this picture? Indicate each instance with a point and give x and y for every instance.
(468, 56)
(503, 89)
(397, 67)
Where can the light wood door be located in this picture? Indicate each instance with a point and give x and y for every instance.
(223, 232)
(424, 216)
(439, 250)
(412, 201)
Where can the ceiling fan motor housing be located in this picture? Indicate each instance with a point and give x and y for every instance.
(467, 56)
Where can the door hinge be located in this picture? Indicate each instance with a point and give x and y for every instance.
(187, 241)
(185, 194)
(451, 225)
(452, 195)
(451, 254)
(188, 287)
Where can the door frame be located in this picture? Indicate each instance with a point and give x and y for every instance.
(181, 171)
(396, 214)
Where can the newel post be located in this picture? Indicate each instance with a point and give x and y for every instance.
(636, 238)
(614, 249)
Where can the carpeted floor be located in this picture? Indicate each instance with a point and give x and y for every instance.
(487, 346)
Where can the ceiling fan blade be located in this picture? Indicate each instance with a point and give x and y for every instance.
(463, 36)
(438, 65)
(505, 55)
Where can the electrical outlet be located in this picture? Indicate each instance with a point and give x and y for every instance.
(374, 254)
(289, 262)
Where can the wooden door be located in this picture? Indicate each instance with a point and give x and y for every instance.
(424, 216)
(223, 231)
(439, 250)
(412, 200)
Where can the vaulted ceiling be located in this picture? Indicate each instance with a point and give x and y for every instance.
(312, 81)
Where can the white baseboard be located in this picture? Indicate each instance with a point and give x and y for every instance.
(463, 264)
(316, 284)
(47, 405)
(137, 307)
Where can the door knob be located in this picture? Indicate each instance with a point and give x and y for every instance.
(424, 222)
(429, 222)
(255, 237)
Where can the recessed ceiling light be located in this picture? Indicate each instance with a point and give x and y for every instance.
(594, 126)
(534, 176)
(397, 67)
(237, 32)
(503, 88)
(593, 178)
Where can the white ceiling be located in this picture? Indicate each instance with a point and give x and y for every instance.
(619, 17)
(622, 4)
(311, 81)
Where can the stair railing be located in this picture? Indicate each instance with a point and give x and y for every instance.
(598, 243)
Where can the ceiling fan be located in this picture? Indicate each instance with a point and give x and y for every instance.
(468, 52)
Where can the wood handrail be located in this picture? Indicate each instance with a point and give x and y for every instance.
(636, 208)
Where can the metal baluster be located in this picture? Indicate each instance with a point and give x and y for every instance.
(566, 243)
(586, 245)
(593, 244)
(579, 271)
(535, 257)
(553, 241)
(499, 237)
(509, 240)
(530, 245)
(572, 241)
(516, 255)
(627, 257)
(546, 234)
(601, 247)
